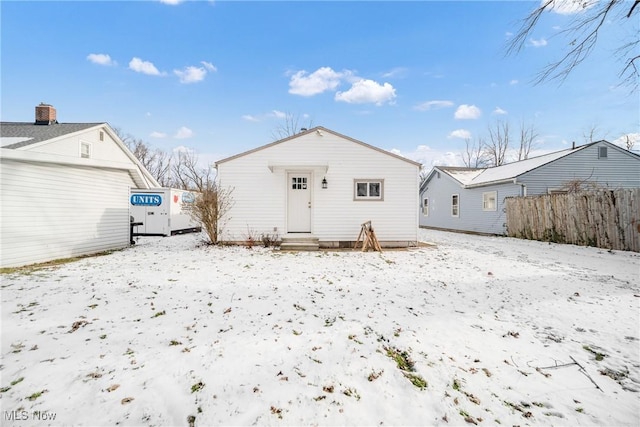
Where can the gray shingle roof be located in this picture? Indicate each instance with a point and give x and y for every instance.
(38, 133)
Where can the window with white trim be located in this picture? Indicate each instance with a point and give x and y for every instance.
(455, 205)
(425, 207)
(489, 201)
(368, 189)
(85, 150)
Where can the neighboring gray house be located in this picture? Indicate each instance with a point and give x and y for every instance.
(473, 199)
(64, 189)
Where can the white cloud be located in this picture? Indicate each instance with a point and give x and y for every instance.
(191, 74)
(101, 59)
(277, 114)
(433, 105)
(538, 43)
(513, 82)
(182, 149)
(172, 2)
(250, 118)
(460, 133)
(183, 133)
(156, 134)
(568, 7)
(321, 80)
(396, 72)
(500, 111)
(209, 66)
(467, 112)
(429, 157)
(148, 114)
(144, 67)
(367, 91)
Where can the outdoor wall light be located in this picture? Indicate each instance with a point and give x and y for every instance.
(324, 183)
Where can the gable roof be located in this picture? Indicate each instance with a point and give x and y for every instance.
(319, 129)
(21, 134)
(478, 177)
(15, 135)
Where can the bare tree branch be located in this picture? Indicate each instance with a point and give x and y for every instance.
(584, 30)
(473, 157)
(528, 135)
(292, 125)
(495, 149)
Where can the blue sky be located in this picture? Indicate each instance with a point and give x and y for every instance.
(217, 77)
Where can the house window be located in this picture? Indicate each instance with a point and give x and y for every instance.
(101, 136)
(425, 207)
(368, 189)
(298, 183)
(602, 152)
(85, 150)
(489, 201)
(455, 205)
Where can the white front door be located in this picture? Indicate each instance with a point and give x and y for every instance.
(299, 203)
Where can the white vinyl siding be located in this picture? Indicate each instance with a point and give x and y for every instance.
(52, 211)
(335, 215)
(489, 200)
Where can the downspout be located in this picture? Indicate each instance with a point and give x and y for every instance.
(523, 187)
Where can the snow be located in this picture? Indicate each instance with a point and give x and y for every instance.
(173, 332)
(506, 171)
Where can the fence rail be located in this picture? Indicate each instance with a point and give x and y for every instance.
(602, 218)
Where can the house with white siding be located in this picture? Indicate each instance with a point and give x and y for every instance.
(473, 199)
(64, 189)
(319, 187)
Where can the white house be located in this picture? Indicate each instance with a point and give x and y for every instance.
(468, 199)
(64, 189)
(321, 186)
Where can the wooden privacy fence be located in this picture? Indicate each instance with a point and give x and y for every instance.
(602, 218)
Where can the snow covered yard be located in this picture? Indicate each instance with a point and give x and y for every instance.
(476, 330)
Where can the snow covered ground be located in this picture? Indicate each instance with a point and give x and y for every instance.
(474, 330)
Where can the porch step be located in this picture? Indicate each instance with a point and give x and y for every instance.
(299, 243)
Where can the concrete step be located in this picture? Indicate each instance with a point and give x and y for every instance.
(299, 243)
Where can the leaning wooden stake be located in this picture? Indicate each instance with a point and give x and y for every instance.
(369, 239)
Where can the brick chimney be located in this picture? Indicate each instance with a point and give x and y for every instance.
(45, 114)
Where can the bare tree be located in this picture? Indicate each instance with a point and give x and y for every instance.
(629, 143)
(495, 149)
(592, 134)
(473, 156)
(187, 174)
(582, 34)
(211, 209)
(293, 124)
(528, 135)
(155, 160)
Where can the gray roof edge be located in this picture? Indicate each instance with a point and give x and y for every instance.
(39, 132)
